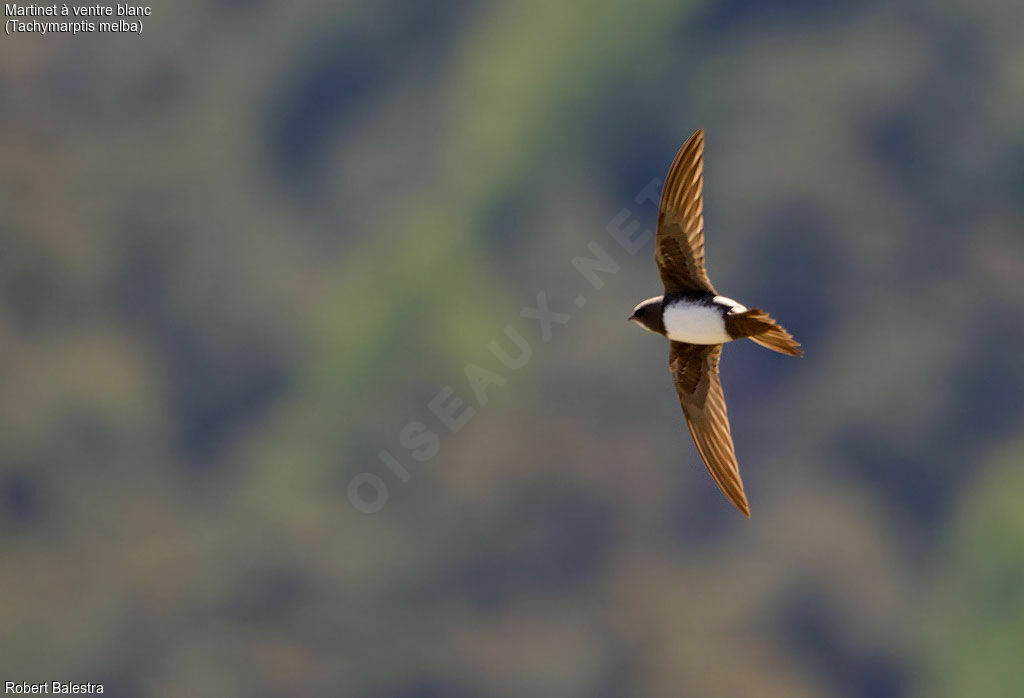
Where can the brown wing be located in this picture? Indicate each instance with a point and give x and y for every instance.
(679, 248)
(695, 371)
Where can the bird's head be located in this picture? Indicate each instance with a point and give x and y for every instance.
(649, 316)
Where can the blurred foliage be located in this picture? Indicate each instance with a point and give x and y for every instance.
(240, 254)
(977, 611)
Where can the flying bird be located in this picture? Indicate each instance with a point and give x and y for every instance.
(697, 321)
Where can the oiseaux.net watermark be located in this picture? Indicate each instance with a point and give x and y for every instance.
(368, 491)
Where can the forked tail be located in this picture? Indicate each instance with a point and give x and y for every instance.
(758, 326)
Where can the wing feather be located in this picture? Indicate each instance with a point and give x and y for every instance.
(679, 246)
(699, 386)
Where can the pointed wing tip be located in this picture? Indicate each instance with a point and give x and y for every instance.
(742, 505)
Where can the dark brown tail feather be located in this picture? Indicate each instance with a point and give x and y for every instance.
(758, 326)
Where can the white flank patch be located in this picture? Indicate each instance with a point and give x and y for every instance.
(736, 307)
(695, 324)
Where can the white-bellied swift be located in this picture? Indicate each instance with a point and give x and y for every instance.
(697, 321)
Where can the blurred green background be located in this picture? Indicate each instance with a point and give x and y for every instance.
(241, 253)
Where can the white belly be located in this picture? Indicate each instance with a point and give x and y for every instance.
(695, 324)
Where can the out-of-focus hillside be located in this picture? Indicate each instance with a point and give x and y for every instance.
(240, 254)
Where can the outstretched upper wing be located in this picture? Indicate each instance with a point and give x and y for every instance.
(679, 248)
(695, 372)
